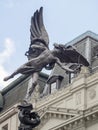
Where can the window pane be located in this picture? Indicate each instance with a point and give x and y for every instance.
(53, 87)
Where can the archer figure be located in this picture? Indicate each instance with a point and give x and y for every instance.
(39, 55)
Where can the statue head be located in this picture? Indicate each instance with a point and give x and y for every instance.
(39, 41)
(25, 107)
(34, 49)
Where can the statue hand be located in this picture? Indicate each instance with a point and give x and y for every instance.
(76, 67)
(7, 78)
(35, 115)
(67, 69)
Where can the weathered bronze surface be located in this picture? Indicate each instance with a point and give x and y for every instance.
(28, 119)
(40, 56)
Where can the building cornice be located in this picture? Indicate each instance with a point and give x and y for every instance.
(8, 113)
(89, 116)
(74, 118)
(82, 82)
(63, 111)
(83, 36)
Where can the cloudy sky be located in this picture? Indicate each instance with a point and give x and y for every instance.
(63, 19)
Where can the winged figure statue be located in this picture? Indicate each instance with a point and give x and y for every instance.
(40, 56)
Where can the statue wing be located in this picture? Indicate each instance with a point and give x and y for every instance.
(70, 55)
(37, 29)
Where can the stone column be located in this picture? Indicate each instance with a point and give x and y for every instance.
(88, 50)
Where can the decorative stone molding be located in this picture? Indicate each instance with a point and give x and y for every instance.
(57, 113)
(78, 98)
(92, 93)
(62, 111)
(80, 121)
(81, 86)
(73, 118)
(7, 114)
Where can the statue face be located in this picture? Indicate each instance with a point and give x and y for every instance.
(35, 50)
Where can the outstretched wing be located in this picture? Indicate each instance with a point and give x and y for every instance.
(69, 55)
(37, 29)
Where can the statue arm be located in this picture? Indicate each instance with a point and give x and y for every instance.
(64, 67)
(27, 66)
(38, 47)
(21, 69)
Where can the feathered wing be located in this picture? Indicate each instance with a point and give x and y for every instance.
(37, 29)
(70, 55)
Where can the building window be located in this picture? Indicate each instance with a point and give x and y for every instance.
(74, 66)
(95, 52)
(71, 77)
(54, 83)
(53, 87)
(5, 127)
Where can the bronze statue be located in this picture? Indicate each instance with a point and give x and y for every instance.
(28, 119)
(40, 56)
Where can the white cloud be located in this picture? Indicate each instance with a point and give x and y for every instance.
(4, 57)
(8, 50)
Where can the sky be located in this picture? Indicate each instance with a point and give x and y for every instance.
(64, 20)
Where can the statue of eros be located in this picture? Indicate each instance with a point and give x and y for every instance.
(40, 56)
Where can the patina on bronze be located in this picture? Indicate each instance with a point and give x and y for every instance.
(28, 119)
(40, 56)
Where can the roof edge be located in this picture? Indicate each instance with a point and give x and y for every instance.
(82, 36)
(19, 80)
(13, 84)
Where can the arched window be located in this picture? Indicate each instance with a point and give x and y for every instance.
(54, 83)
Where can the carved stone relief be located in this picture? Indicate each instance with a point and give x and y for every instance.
(78, 98)
(92, 93)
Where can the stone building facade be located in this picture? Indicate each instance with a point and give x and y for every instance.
(71, 101)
